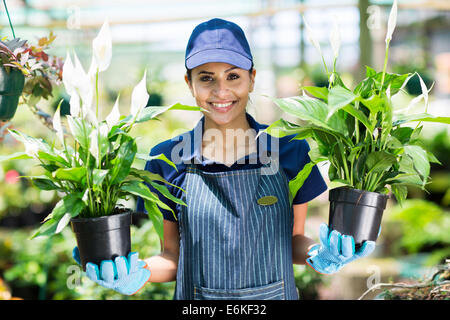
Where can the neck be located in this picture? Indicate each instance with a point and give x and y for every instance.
(227, 143)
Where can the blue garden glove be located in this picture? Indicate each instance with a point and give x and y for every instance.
(124, 275)
(335, 251)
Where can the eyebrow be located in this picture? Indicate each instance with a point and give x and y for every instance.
(208, 72)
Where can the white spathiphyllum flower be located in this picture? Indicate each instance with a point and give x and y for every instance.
(84, 88)
(424, 88)
(31, 148)
(74, 104)
(139, 97)
(57, 125)
(311, 36)
(114, 115)
(392, 22)
(335, 37)
(79, 87)
(102, 47)
(67, 74)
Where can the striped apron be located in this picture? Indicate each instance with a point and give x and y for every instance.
(232, 246)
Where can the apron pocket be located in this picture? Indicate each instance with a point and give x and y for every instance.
(272, 291)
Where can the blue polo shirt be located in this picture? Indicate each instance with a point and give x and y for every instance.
(186, 148)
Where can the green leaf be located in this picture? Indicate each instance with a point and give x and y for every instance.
(306, 108)
(370, 72)
(403, 134)
(360, 166)
(296, 183)
(80, 130)
(52, 158)
(98, 175)
(156, 217)
(426, 117)
(149, 113)
(316, 155)
(141, 190)
(314, 112)
(318, 92)
(121, 164)
(375, 103)
(166, 193)
(379, 161)
(400, 192)
(71, 204)
(365, 88)
(338, 98)
(39, 144)
(76, 174)
(358, 114)
(432, 158)
(281, 128)
(336, 183)
(15, 156)
(420, 160)
(148, 177)
(160, 156)
(44, 184)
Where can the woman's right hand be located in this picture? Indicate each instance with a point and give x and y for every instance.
(126, 275)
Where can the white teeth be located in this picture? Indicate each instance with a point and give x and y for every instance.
(222, 105)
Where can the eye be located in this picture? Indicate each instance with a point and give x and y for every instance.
(233, 76)
(205, 78)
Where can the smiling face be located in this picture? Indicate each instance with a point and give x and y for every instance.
(223, 90)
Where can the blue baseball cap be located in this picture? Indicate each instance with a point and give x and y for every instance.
(218, 40)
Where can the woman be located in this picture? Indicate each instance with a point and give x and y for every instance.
(239, 236)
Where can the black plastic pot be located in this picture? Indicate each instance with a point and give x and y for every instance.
(357, 213)
(11, 86)
(102, 238)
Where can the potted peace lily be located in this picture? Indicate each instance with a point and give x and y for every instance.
(364, 138)
(26, 71)
(91, 162)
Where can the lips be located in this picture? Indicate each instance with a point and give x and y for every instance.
(222, 106)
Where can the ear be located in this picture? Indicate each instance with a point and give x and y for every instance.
(252, 80)
(189, 84)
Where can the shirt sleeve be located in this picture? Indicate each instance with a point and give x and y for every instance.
(154, 166)
(314, 185)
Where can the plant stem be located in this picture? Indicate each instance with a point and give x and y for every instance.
(96, 94)
(9, 19)
(385, 66)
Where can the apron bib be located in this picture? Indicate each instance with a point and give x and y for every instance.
(235, 236)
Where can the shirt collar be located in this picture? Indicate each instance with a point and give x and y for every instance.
(193, 154)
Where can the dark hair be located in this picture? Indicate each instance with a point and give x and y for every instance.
(189, 72)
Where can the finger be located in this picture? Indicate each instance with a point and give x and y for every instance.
(133, 258)
(142, 264)
(366, 249)
(122, 267)
(348, 246)
(92, 271)
(107, 270)
(335, 243)
(314, 250)
(323, 234)
(76, 255)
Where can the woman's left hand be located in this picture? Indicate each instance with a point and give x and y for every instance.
(335, 251)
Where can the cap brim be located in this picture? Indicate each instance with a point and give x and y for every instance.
(218, 55)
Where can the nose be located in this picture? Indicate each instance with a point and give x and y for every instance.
(220, 88)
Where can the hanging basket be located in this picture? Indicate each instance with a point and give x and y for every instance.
(11, 86)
